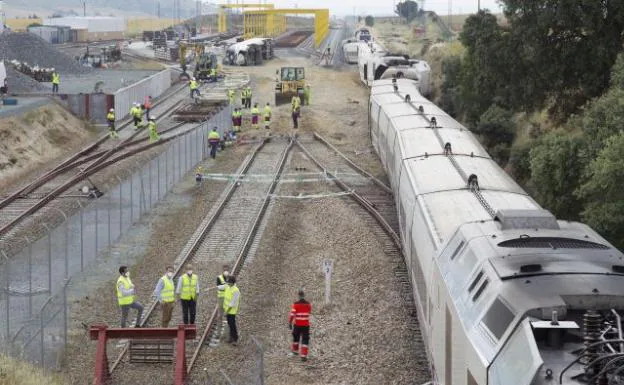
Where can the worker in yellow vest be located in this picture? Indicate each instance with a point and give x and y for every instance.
(255, 116)
(214, 139)
(56, 81)
(126, 297)
(194, 87)
(230, 95)
(153, 132)
(295, 102)
(243, 95)
(231, 302)
(187, 290)
(221, 286)
(110, 118)
(267, 116)
(249, 95)
(164, 293)
(137, 115)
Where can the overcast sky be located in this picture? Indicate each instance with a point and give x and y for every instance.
(342, 7)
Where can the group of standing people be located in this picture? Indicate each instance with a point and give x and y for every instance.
(137, 112)
(228, 300)
(186, 290)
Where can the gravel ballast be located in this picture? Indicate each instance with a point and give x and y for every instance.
(35, 51)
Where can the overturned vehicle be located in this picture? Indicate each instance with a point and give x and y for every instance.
(249, 52)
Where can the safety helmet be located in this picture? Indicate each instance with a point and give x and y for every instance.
(111, 110)
(193, 79)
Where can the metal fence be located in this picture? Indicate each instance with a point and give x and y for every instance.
(153, 86)
(35, 282)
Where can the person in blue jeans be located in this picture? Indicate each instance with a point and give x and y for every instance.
(214, 139)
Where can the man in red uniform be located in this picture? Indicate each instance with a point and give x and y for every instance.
(300, 318)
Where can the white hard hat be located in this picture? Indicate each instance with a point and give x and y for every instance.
(112, 110)
(193, 79)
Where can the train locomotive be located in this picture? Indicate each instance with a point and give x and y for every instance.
(506, 293)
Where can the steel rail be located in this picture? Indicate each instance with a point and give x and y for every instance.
(357, 168)
(198, 241)
(66, 164)
(98, 165)
(242, 255)
(357, 197)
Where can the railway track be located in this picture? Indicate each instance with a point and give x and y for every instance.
(24, 206)
(374, 194)
(226, 236)
(374, 201)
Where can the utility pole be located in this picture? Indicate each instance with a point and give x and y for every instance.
(84, 8)
(479, 5)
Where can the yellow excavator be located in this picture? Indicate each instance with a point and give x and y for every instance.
(199, 50)
(290, 82)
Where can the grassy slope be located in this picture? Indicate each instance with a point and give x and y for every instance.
(14, 372)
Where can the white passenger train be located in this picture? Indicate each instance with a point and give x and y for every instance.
(506, 293)
(375, 66)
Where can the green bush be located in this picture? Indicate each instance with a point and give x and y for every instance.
(557, 164)
(496, 127)
(604, 193)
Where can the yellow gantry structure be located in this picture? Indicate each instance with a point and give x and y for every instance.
(222, 21)
(272, 22)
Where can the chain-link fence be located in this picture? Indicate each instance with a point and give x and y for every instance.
(35, 281)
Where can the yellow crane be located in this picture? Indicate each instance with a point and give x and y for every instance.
(222, 22)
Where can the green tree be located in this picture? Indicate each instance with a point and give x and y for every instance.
(369, 21)
(617, 72)
(566, 47)
(557, 164)
(407, 10)
(519, 164)
(496, 126)
(603, 191)
(603, 118)
(450, 88)
(484, 67)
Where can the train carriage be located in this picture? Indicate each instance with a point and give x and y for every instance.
(504, 290)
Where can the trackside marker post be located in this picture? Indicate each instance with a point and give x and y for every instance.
(328, 267)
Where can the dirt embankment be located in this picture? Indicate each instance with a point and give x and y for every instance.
(36, 138)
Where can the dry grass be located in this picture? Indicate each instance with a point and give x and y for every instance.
(13, 372)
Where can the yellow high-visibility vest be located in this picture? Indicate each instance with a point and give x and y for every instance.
(267, 112)
(221, 293)
(188, 287)
(227, 298)
(212, 135)
(193, 84)
(56, 78)
(121, 298)
(167, 292)
(255, 111)
(110, 117)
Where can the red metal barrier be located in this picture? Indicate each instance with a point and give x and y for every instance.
(102, 333)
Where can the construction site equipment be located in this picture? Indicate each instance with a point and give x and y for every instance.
(271, 22)
(101, 333)
(291, 82)
(222, 22)
(206, 61)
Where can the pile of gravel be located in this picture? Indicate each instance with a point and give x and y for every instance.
(20, 83)
(32, 49)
